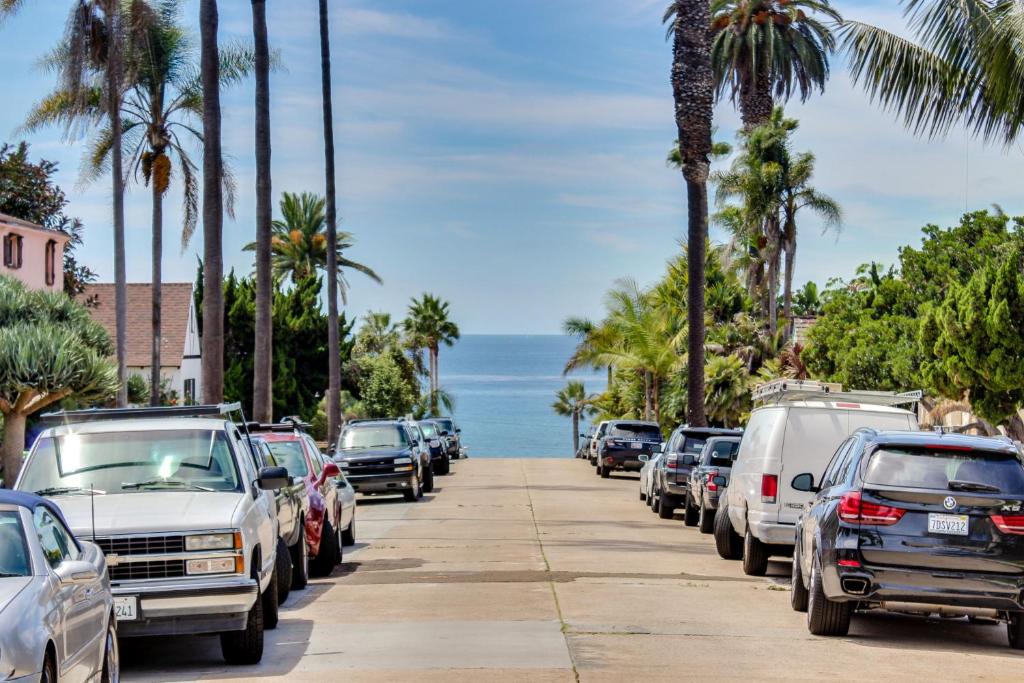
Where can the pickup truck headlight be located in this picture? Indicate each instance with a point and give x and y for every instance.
(213, 542)
(220, 565)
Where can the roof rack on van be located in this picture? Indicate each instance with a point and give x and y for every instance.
(788, 390)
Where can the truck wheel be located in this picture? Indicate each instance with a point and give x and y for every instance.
(348, 536)
(825, 617)
(755, 555)
(643, 496)
(270, 602)
(413, 494)
(798, 594)
(111, 655)
(245, 646)
(284, 571)
(705, 519)
(428, 480)
(727, 542)
(666, 506)
(689, 512)
(327, 557)
(1015, 630)
(300, 562)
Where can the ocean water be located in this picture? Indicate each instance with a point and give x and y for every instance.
(504, 386)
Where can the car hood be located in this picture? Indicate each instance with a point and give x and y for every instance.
(150, 512)
(368, 454)
(11, 587)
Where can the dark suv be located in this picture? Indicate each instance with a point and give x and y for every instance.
(383, 456)
(623, 443)
(452, 435)
(672, 475)
(917, 522)
(439, 457)
(707, 481)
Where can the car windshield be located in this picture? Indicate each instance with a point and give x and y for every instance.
(131, 461)
(290, 456)
(446, 425)
(982, 471)
(13, 547)
(385, 436)
(428, 429)
(721, 453)
(636, 431)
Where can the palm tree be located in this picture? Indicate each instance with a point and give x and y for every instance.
(765, 50)
(93, 38)
(262, 382)
(693, 89)
(573, 401)
(213, 207)
(963, 68)
(333, 272)
(299, 243)
(161, 99)
(378, 333)
(429, 326)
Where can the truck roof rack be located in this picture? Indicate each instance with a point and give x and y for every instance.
(282, 427)
(791, 390)
(94, 414)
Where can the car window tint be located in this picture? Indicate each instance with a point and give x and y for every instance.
(289, 455)
(722, 453)
(849, 458)
(56, 541)
(13, 548)
(935, 469)
(639, 431)
(828, 477)
(692, 445)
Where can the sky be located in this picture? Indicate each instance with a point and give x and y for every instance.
(509, 156)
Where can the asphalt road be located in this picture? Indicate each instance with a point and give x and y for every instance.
(537, 570)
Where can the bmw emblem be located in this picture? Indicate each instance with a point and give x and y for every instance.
(949, 503)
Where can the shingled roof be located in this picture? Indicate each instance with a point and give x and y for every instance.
(176, 298)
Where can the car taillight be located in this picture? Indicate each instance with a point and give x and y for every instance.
(769, 488)
(611, 443)
(710, 481)
(1009, 524)
(853, 510)
(671, 461)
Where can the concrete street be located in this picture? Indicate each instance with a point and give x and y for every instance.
(538, 570)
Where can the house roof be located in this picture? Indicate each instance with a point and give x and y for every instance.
(12, 222)
(176, 299)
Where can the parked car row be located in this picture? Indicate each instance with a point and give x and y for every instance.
(198, 521)
(874, 514)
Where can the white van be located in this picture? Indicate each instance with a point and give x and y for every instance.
(797, 430)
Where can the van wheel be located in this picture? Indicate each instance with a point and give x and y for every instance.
(284, 570)
(1015, 630)
(245, 646)
(705, 519)
(825, 617)
(300, 561)
(798, 594)
(727, 542)
(755, 555)
(327, 556)
(689, 512)
(666, 506)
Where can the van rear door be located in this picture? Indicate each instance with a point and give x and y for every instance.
(812, 437)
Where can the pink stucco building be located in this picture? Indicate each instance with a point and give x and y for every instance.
(32, 254)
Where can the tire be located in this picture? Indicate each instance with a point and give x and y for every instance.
(270, 602)
(606, 472)
(49, 673)
(444, 466)
(689, 512)
(245, 646)
(643, 496)
(1015, 630)
(428, 480)
(655, 503)
(300, 562)
(825, 617)
(727, 542)
(666, 506)
(325, 560)
(348, 536)
(284, 570)
(755, 555)
(798, 595)
(705, 519)
(111, 672)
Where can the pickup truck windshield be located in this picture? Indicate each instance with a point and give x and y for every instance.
(131, 462)
(13, 549)
(373, 437)
(974, 471)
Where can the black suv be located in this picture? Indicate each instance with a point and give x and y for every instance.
(917, 522)
(672, 474)
(452, 435)
(623, 443)
(440, 461)
(383, 456)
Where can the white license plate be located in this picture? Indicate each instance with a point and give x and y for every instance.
(636, 445)
(126, 608)
(955, 525)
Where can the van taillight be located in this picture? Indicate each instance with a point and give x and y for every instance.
(710, 481)
(769, 488)
(853, 510)
(1009, 524)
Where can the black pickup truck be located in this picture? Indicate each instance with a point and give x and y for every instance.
(383, 457)
(623, 443)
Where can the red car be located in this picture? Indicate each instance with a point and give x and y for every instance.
(296, 451)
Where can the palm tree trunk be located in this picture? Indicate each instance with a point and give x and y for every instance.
(157, 293)
(774, 251)
(787, 305)
(575, 431)
(693, 92)
(262, 383)
(213, 209)
(647, 396)
(113, 76)
(756, 100)
(13, 446)
(333, 343)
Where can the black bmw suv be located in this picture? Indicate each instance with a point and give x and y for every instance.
(916, 522)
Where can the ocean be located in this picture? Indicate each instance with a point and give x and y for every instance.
(504, 386)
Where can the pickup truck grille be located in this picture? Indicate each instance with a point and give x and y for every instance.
(159, 569)
(141, 545)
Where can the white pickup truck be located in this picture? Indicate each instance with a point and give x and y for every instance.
(187, 524)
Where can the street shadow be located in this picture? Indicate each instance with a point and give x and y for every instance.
(887, 631)
(389, 499)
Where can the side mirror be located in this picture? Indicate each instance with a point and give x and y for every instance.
(458, 430)
(74, 572)
(688, 459)
(331, 470)
(804, 482)
(719, 480)
(273, 478)
(644, 457)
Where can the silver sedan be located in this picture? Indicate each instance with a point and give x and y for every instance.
(56, 612)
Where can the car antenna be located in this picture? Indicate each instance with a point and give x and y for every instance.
(92, 508)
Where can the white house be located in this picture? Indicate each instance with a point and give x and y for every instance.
(179, 333)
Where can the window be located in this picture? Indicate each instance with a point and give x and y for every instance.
(291, 457)
(51, 262)
(829, 478)
(946, 470)
(12, 250)
(190, 392)
(56, 541)
(13, 549)
(636, 431)
(390, 436)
